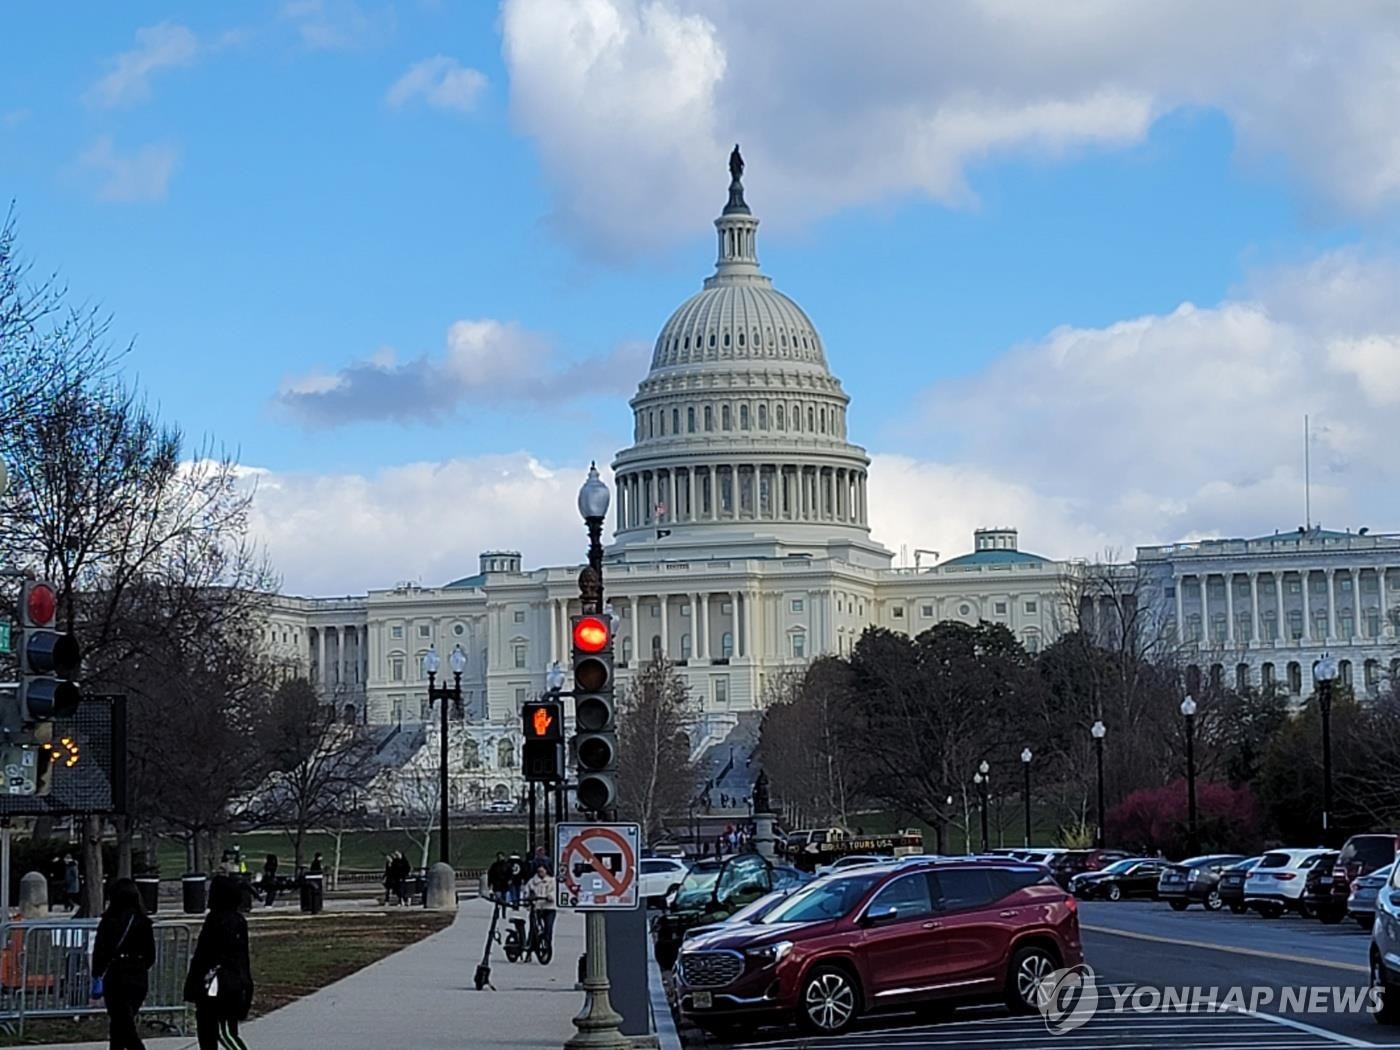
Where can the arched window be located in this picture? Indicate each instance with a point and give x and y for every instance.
(743, 417)
(675, 421)
(651, 424)
(741, 338)
(1241, 677)
(685, 647)
(626, 650)
(709, 418)
(1295, 678)
(762, 417)
(782, 417)
(690, 420)
(724, 417)
(811, 418)
(726, 645)
(471, 754)
(655, 646)
(726, 339)
(505, 755)
(1266, 675)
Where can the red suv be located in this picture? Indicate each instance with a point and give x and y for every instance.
(923, 933)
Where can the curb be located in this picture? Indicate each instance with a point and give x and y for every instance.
(665, 1024)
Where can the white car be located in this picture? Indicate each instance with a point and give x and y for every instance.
(1276, 883)
(657, 876)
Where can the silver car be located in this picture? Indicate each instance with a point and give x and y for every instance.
(1385, 950)
(1361, 904)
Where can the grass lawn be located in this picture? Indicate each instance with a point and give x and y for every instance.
(291, 958)
(471, 848)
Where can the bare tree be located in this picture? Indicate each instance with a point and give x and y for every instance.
(656, 715)
(317, 764)
(412, 795)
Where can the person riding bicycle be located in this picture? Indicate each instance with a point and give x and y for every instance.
(539, 894)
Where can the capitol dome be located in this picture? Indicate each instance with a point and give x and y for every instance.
(739, 428)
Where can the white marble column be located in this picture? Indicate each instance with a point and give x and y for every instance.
(1304, 575)
(689, 493)
(1203, 581)
(1331, 605)
(1385, 613)
(554, 631)
(753, 605)
(321, 656)
(665, 630)
(636, 610)
(1229, 608)
(1254, 607)
(1282, 633)
(1355, 602)
(1180, 611)
(703, 634)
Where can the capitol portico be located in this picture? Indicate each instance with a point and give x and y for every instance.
(741, 548)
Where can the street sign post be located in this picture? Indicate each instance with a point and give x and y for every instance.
(598, 866)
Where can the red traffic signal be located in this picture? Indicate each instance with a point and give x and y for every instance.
(592, 634)
(543, 720)
(40, 605)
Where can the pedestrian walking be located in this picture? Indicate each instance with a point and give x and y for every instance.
(220, 980)
(315, 868)
(122, 954)
(541, 857)
(518, 874)
(498, 877)
(388, 878)
(269, 879)
(402, 870)
(72, 883)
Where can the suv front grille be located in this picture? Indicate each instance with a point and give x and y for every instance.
(711, 969)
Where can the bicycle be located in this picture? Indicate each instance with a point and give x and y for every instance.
(520, 945)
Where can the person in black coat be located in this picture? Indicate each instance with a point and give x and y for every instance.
(123, 952)
(269, 879)
(220, 981)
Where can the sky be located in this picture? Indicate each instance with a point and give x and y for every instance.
(1083, 268)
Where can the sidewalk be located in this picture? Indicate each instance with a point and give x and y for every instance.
(423, 997)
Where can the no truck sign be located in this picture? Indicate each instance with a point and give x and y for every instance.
(598, 865)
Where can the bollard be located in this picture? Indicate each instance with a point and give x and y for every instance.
(33, 896)
(440, 893)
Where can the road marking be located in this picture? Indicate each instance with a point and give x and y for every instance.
(1257, 953)
(1302, 1026)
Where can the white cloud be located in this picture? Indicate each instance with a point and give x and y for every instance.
(485, 363)
(163, 46)
(338, 25)
(1169, 425)
(346, 533)
(842, 104)
(441, 82)
(138, 175)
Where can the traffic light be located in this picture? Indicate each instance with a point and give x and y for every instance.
(543, 756)
(595, 743)
(49, 660)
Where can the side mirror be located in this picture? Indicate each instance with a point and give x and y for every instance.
(880, 916)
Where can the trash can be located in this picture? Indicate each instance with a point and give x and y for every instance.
(313, 895)
(149, 888)
(195, 890)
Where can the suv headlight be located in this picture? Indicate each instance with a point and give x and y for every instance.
(769, 954)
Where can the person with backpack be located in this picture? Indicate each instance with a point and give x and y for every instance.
(122, 954)
(220, 980)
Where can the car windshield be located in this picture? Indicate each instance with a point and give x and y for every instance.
(828, 898)
(1274, 860)
(696, 887)
(1370, 851)
(1118, 867)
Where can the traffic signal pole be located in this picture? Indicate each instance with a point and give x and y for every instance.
(597, 1023)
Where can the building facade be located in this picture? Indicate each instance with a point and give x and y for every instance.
(741, 548)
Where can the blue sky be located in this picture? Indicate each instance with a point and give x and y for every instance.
(259, 207)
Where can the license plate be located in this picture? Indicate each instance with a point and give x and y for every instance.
(1172, 878)
(1326, 880)
(702, 1000)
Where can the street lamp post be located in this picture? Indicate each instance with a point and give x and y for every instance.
(1098, 731)
(1188, 712)
(457, 660)
(983, 780)
(597, 1023)
(1026, 757)
(1324, 674)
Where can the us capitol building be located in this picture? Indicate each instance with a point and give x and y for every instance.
(741, 549)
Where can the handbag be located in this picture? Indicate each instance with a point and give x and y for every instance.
(99, 983)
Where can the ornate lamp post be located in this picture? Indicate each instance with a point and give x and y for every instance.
(1324, 674)
(983, 781)
(457, 660)
(1098, 731)
(1188, 712)
(597, 1022)
(1026, 757)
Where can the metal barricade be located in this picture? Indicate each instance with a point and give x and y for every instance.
(46, 971)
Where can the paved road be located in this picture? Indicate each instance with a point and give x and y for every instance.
(1147, 946)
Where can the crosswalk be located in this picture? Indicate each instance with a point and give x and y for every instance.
(999, 1031)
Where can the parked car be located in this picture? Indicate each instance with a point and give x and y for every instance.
(1197, 880)
(1039, 856)
(1385, 951)
(1360, 855)
(1134, 877)
(1361, 905)
(658, 876)
(918, 934)
(1276, 883)
(1317, 886)
(854, 860)
(711, 891)
(1231, 885)
(1065, 866)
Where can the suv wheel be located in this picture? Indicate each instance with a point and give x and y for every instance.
(1114, 893)
(1388, 995)
(1029, 968)
(829, 998)
(1213, 901)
